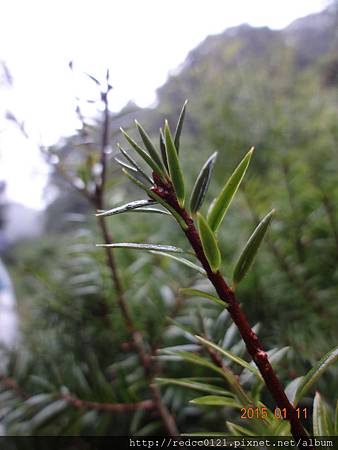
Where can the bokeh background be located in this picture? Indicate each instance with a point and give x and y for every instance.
(255, 73)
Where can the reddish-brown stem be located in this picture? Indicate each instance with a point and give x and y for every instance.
(78, 403)
(253, 345)
(113, 407)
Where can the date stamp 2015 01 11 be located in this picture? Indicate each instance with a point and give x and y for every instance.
(263, 413)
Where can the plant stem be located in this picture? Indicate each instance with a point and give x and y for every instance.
(136, 335)
(250, 338)
(117, 407)
(10, 383)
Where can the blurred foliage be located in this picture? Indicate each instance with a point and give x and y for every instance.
(245, 87)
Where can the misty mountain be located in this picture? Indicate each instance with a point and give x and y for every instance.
(311, 41)
(314, 36)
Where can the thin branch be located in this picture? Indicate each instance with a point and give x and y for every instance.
(11, 384)
(137, 338)
(100, 187)
(116, 407)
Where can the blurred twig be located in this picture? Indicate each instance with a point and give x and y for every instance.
(97, 200)
(11, 384)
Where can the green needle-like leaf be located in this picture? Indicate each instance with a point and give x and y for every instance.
(216, 400)
(175, 172)
(151, 211)
(179, 127)
(144, 155)
(148, 247)
(157, 198)
(134, 164)
(221, 204)
(149, 145)
(225, 372)
(321, 424)
(209, 244)
(201, 185)
(125, 165)
(249, 252)
(163, 151)
(317, 370)
(192, 384)
(230, 356)
(198, 293)
(183, 261)
(237, 430)
(195, 359)
(127, 207)
(291, 389)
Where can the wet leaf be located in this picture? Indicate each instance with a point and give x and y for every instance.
(316, 372)
(202, 184)
(143, 154)
(134, 164)
(151, 211)
(195, 385)
(149, 145)
(250, 250)
(225, 372)
(195, 359)
(175, 172)
(230, 356)
(179, 127)
(183, 261)
(216, 400)
(127, 207)
(321, 425)
(291, 389)
(209, 244)
(125, 165)
(221, 204)
(136, 246)
(198, 293)
(157, 198)
(163, 151)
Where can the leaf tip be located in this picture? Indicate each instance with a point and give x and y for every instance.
(269, 215)
(123, 132)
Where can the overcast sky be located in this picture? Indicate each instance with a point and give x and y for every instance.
(140, 42)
